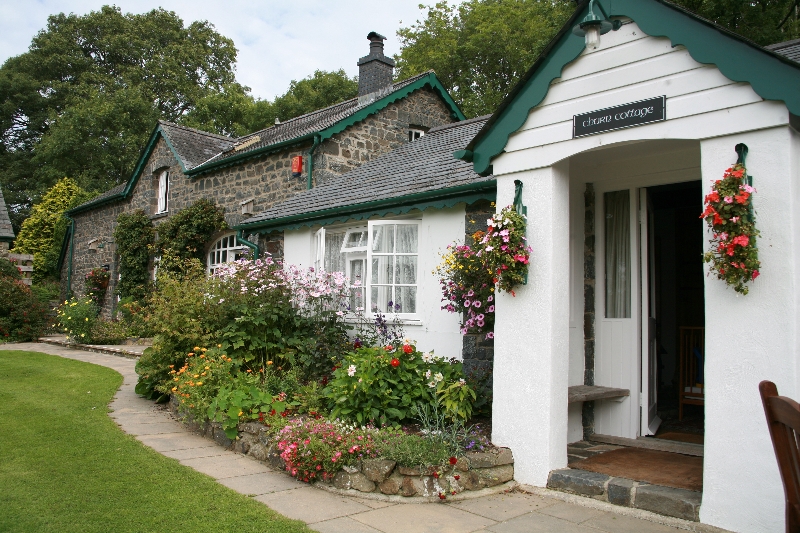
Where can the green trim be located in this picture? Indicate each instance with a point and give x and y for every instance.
(253, 246)
(310, 182)
(772, 76)
(71, 254)
(6, 239)
(137, 173)
(439, 199)
(429, 80)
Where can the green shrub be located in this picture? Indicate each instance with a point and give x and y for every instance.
(185, 234)
(134, 236)
(77, 318)
(22, 316)
(9, 269)
(108, 332)
(46, 291)
(132, 314)
(96, 284)
(384, 385)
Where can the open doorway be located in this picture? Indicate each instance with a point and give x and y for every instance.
(677, 277)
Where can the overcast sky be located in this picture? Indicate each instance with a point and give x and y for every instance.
(277, 41)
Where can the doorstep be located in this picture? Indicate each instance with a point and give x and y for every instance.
(667, 501)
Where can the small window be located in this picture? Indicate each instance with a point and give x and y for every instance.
(414, 134)
(355, 240)
(163, 192)
(223, 251)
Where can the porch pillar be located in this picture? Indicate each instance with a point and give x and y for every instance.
(531, 361)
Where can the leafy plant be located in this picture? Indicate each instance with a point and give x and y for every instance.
(384, 385)
(77, 317)
(9, 269)
(185, 233)
(108, 332)
(23, 317)
(729, 214)
(134, 236)
(96, 284)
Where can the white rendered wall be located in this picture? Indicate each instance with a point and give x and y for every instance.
(752, 338)
(435, 328)
(531, 364)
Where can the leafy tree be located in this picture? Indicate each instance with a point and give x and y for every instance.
(480, 48)
(762, 21)
(43, 232)
(83, 99)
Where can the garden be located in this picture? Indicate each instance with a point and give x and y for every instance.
(272, 350)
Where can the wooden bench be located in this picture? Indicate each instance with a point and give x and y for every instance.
(588, 393)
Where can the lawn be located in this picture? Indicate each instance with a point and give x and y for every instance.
(67, 467)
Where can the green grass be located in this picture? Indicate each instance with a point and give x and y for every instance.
(65, 466)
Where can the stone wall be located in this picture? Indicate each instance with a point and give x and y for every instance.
(266, 179)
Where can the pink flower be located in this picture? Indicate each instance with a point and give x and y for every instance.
(491, 309)
(741, 240)
(476, 303)
(490, 335)
(756, 273)
(728, 199)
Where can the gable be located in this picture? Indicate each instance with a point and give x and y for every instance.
(772, 77)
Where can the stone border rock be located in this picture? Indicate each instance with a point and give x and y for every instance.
(475, 474)
(92, 348)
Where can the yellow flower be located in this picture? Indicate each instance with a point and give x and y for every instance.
(174, 389)
(199, 383)
(208, 368)
(87, 319)
(196, 348)
(240, 413)
(269, 362)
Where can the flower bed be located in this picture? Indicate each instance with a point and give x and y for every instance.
(369, 473)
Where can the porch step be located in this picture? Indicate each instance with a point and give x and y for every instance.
(685, 448)
(667, 501)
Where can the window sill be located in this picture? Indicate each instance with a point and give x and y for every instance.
(159, 215)
(410, 321)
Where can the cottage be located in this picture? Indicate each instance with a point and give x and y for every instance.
(385, 225)
(246, 175)
(6, 231)
(616, 134)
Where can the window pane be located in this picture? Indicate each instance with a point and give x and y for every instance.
(382, 267)
(380, 298)
(383, 238)
(356, 239)
(406, 271)
(406, 300)
(357, 299)
(407, 238)
(617, 207)
(334, 260)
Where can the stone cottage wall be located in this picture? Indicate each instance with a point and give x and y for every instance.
(378, 134)
(266, 179)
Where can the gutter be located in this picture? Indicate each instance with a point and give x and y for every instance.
(386, 202)
(71, 250)
(317, 141)
(253, 246)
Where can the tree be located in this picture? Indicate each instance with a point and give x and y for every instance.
(762, 21)
(83, 99)
(42, 233)
(480, 48)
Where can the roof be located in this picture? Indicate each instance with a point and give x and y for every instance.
(771, 75)
(324, 122)
(395, 182)
(6, 230)
(789, 49)
(199, 151)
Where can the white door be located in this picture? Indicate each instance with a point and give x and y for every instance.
(649, 377)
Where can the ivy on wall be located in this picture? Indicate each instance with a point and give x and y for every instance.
(134, 236)
(184, 235)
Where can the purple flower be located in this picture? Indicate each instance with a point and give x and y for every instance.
(476, 303)
(491, 309)
(467, 303)
(490, 335)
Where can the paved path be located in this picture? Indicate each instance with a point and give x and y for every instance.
(329, 513)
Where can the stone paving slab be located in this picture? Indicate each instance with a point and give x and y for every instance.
(532, 511)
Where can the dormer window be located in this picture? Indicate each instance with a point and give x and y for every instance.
(163, 192)
(415, 133)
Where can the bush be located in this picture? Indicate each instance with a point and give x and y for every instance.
(134, 236)
(185, 233)
(46, 291)
(384, 385)
(132, 314)
(22, 316)
(108, 332)
(96, 284)
(9, 269)
(77, 318)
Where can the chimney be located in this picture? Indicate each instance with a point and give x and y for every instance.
(375, 71)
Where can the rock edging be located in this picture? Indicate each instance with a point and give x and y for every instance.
(475, 473)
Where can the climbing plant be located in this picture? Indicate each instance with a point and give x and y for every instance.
(184, 235)
(134, 236)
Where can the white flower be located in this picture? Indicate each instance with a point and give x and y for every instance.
(462, 382)
(351, 370)
(428, 358)
(428, 374)
(432, 384)
(489, 222)
(437, 377)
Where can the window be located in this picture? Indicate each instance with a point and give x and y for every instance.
(163, 192)
(381, 261)
(617, 208)
(224, 250)
(414, 134)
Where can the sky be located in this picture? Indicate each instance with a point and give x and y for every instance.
(278, 41)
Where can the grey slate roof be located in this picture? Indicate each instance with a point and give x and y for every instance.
(194, 146)
(424, 165)
(100, 197)
(788, 49)
(306, 124)
(6, 231)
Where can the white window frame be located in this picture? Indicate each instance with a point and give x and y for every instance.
(366, 253)
(163, 192)
(231, 250)
(414, 134)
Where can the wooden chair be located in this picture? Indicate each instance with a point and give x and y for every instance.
(691, 389)
(783, 419)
